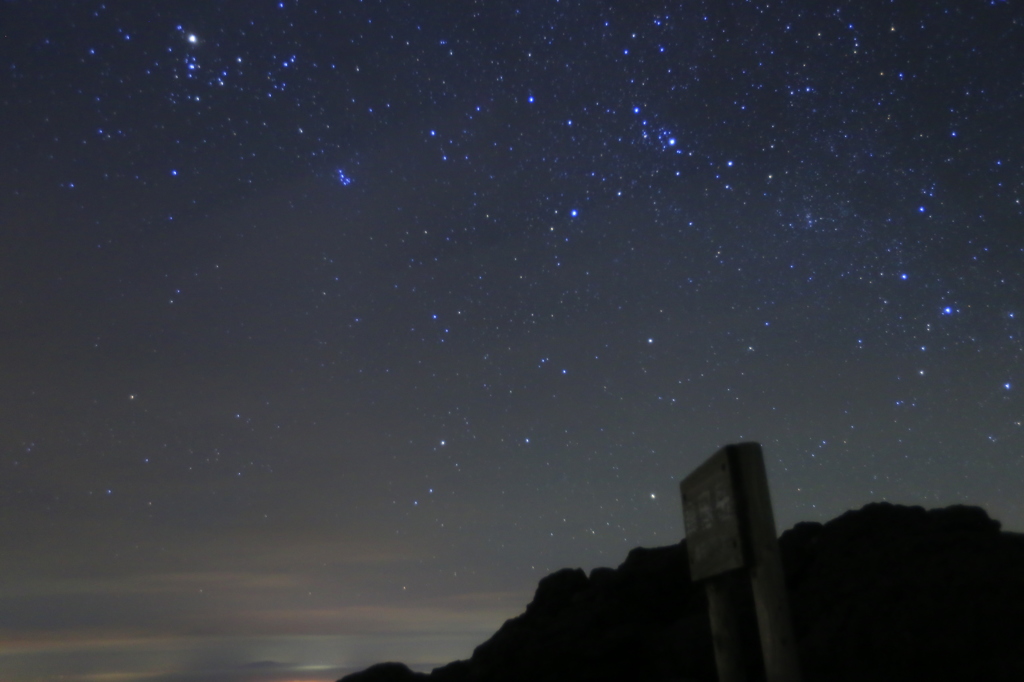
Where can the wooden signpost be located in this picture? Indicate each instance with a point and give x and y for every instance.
(730, 536)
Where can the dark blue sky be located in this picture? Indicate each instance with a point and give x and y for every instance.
(330, 327)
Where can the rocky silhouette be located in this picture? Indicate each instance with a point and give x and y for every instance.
(886, 592)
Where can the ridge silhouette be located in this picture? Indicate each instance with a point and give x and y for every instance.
(886, 592)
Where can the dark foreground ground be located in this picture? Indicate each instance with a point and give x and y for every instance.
(882, 593)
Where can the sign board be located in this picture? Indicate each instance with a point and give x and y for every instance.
(730, 538)
(714, 538)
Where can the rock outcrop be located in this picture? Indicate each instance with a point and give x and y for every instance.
(883, 593)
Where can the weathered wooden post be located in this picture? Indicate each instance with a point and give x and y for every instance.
(730, 537)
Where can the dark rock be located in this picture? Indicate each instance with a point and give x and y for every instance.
(386, 672)
(556, 591)
(456, 671)
(890, 592)
(883, 593)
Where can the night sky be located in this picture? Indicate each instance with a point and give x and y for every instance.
(328, 328)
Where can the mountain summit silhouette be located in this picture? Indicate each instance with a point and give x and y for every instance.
(886, 592)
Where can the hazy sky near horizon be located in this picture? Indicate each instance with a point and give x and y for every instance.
(329, 328)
